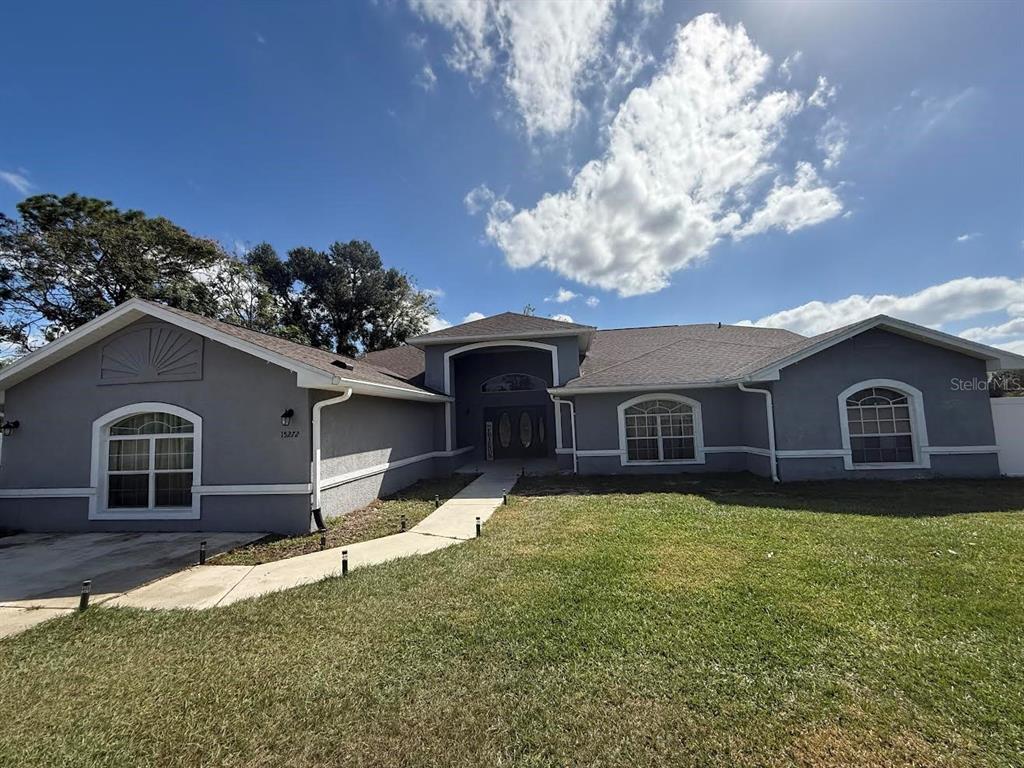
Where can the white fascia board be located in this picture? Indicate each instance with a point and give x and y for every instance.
(379, 390)
(995, 359)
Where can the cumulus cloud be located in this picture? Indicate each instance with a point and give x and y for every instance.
(935, 306)
(543, 48)
(788, 63)
(686, 159)
(478, 199)
(437, 324)
(563, 318)
(562, 296)
(803, 203)
(824, 94)
(967, 236)
(17, 180)
(425, 78)
(832, 139)
(593, 301)
(473, 316)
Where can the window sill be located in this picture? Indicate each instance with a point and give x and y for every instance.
(170, 513)
(891, 465)
(656, 463)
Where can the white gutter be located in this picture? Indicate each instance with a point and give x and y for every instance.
(770, 415)
(315, 468)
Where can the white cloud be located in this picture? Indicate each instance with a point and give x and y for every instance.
(563, 318)
(803, 203)
(437, 324)
(562, 296)
(17, 180)
(786, 67)
(966, 236)
(425, 78)
(832, 140)
(478, 199)
(261, 39)
(473, 316)
(935, 306)
(544, 49)
(437, 293)
(686, 155)
(416, 42)
(593, 301)
(824, 94)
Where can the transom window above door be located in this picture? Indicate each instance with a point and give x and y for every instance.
(663, 428)
(513, 382)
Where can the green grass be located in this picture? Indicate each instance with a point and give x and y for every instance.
(716, 623)
(381, 518)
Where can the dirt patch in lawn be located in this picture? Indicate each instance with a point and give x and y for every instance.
(382, 517)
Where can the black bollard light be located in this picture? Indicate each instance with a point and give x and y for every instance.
(83, 601)
(437, 501)
(202, 553)
(344, 562)
(402, 526)
(478, 527)
(323, 541)
(504, 496)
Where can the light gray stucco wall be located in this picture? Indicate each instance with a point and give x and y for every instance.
(240, 399)
(730, 419)
(366, 432)
(807, 409)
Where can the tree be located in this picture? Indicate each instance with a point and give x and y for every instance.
(344, 298)
(70, 259)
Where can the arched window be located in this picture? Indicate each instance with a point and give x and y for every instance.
(148, 461)
(661, 428)
(883, 425)
(512, 382)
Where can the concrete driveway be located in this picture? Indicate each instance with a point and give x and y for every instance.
(41, 574)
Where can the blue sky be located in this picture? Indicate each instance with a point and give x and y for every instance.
(661, 164)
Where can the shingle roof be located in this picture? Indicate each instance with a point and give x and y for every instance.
(360, 370)
(405, 361)
(505, 324)
(675, 354)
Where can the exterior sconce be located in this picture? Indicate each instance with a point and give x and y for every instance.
(9, 427)
(286, 417)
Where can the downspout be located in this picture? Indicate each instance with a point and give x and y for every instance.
(315, 468)
(770, 415)
(572, 426)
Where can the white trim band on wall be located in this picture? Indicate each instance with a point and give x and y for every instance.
(364, 472)
(270, 489)
(707, 449)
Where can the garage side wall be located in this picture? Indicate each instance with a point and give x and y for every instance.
(372, 446)
(240, 399)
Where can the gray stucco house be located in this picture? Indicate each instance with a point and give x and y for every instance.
(150, 418)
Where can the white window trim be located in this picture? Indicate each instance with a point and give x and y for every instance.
(98, 466)
(918, 426)
(698, 430)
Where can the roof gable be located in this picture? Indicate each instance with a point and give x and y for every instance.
(314, 368)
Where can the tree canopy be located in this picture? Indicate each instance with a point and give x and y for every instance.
(66, 260)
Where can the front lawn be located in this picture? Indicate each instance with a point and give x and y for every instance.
(383, 517)
(596, 623)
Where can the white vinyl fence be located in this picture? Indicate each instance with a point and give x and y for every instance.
(1008, 417)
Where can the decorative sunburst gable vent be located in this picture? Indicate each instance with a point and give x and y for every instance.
(150, 353)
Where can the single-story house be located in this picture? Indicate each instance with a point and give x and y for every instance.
(151, 418)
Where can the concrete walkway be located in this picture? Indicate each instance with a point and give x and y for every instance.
(209, 586)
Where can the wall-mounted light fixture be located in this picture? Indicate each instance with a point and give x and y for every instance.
(286, 417)
(9, 427)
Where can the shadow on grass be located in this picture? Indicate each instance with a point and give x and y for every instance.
(897, 498)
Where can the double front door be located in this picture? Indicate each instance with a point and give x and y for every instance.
(515, 431)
